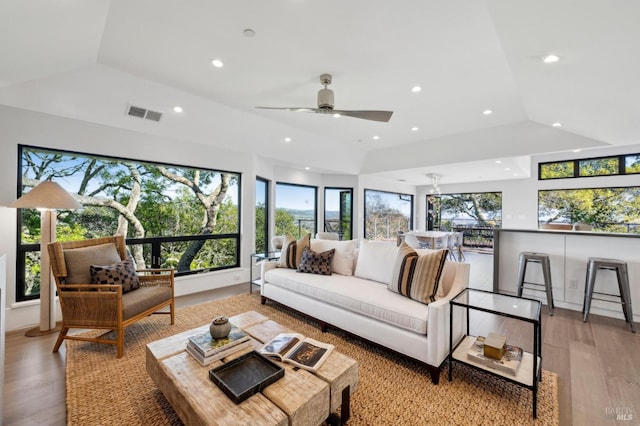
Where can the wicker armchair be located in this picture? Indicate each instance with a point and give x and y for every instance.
(104, 306)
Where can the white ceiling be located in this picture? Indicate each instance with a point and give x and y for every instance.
(90, 59)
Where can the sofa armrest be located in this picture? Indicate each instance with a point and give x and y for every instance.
(439, 318)
(267, 266)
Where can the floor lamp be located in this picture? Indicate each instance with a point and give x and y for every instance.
(46, 197)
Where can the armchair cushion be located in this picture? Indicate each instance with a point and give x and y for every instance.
(123, 273)
(78, 261)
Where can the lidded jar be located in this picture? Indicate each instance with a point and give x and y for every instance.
(220, 327)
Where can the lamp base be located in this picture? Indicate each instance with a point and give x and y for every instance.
(35, 332)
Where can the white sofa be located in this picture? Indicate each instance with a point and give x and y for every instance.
(361, 304)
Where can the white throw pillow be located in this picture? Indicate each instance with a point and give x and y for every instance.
(376, 260)
(342, 262)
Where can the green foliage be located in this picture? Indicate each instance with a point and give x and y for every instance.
(484, 207)
(599, 167)
(606, 209)
(286, 223)
(261, 239)
(562, 169)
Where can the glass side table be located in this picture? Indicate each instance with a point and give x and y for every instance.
(529, 373)
(254, 261)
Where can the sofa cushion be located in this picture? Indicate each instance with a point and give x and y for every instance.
(376, 261)
(316, 263)
(426, 277)
(123, 273)
(292, 250)
(358, 295)
(403, 269)
(79, 260)
(343, 259)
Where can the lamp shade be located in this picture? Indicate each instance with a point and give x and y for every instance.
(47, 195)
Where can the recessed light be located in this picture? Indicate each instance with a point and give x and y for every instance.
(487, 112)
(515, 175)
(307, 168)
(336, 115)
(498, 161)
(549, 59)
(576, 150)
(249, 33)
(416, 89)
(415, 129)
(287, 139)
(376, 137)
(507, 168)
(217, 63)
(557, 124)
(177, 109)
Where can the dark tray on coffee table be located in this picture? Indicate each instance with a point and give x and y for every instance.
(246, 375)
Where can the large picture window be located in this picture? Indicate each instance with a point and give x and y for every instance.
(296, 209)
(172, 216)
(386, 214)
(605, 209)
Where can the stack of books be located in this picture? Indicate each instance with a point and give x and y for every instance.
(509, 362)
(205, 349)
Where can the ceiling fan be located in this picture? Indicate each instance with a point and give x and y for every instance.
(325, 105)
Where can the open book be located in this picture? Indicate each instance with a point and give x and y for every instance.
(294, 348)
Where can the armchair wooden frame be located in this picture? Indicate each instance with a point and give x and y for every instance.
(100, 306)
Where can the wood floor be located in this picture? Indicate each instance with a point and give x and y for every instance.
(598, 363)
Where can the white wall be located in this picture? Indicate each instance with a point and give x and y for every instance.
(36, 129)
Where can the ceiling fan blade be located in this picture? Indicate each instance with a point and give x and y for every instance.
(383, 116)
(295, 109)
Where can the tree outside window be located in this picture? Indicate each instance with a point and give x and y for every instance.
(172, 216)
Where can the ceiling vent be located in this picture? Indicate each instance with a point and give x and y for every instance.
(135, 111)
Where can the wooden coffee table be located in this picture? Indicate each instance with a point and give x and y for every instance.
(299, 398)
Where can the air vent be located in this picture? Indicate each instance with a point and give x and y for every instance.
(135, 111)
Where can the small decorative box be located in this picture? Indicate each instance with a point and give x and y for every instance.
(494, 346)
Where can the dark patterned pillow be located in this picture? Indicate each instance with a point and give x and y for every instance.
(123, 273)
(316, 263)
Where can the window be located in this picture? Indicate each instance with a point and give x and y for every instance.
(338, 207)
(262, 215)
(172, 216)
(296, 209)
(600, 166)
(559, 170)
(386, 214)
(606, 209)
(474, 214)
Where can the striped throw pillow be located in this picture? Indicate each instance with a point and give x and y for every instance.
(403, 270)
(426, 277)
(292, 250)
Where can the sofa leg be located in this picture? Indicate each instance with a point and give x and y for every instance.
(435, 374)
(263, 300)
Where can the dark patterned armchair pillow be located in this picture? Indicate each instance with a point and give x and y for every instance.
(123, 273)
(316, 263)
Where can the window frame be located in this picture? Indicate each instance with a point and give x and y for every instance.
(267, 203)
(156, 242)
(315, 202)
(622, 170)
(324, 211)
(399, 194)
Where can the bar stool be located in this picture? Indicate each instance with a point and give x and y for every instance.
(543, 260)
(594, 264)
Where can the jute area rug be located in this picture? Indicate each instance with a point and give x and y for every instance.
(393, 390)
